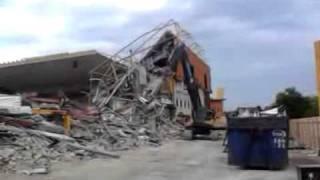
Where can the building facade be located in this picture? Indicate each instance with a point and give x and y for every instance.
(202, 75)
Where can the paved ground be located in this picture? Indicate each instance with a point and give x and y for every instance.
(177, 160)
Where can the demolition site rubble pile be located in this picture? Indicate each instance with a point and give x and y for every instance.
(128, 105)
(30, 141)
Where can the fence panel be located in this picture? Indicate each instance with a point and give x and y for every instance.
(306, 131)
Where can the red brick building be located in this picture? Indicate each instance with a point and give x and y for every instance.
(217, 106)
(200, 69)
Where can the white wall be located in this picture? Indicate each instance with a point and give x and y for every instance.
(182, 99)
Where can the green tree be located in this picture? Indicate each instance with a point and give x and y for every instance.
(296, 104)
(313, 109)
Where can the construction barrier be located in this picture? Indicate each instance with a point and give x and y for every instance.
(306, 131)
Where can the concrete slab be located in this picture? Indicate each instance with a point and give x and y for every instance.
(66, 71)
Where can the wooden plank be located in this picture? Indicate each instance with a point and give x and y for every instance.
(313, 134)
(308, 134)
(317, 59)
(304, 131)
(316, 136)
(318, 139)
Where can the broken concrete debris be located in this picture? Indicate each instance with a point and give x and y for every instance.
(35, 171)
(127, 106)
(29, 142)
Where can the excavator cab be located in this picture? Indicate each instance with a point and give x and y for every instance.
(201, 122)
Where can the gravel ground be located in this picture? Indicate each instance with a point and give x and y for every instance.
(178, 160)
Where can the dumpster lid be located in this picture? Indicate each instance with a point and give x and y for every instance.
(269, 122)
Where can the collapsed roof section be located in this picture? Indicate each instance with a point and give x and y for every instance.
(140, 47)
(152, 50)
(159, 56)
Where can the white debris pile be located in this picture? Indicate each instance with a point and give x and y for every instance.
(29, 143)
(145, 118)
(22, 150)
(135, 105)
(115, 131)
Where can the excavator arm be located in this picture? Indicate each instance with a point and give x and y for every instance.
(200, 113)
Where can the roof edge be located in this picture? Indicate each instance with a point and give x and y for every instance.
(50, 57)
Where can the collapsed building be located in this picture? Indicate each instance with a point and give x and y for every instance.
(201, 71)
(86, 104)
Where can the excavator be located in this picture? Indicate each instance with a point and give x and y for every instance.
(168, 52)
(201, 115)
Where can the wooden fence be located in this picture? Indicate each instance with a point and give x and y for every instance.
(306, 131)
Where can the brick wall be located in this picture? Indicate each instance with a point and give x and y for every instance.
(200, 69)
(217, 106)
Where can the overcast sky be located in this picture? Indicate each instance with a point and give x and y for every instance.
(255, 48)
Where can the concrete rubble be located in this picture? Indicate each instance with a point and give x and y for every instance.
(29, 142)
(125, 108)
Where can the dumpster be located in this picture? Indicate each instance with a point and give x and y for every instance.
(258, 142)
(308, 171)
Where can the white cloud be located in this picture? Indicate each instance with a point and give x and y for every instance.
(17, 18)
(47, 24)
(124, 5)
(27, 24)
(222, 24)
(138, 5)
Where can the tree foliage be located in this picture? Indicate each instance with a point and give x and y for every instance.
(296, 104)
